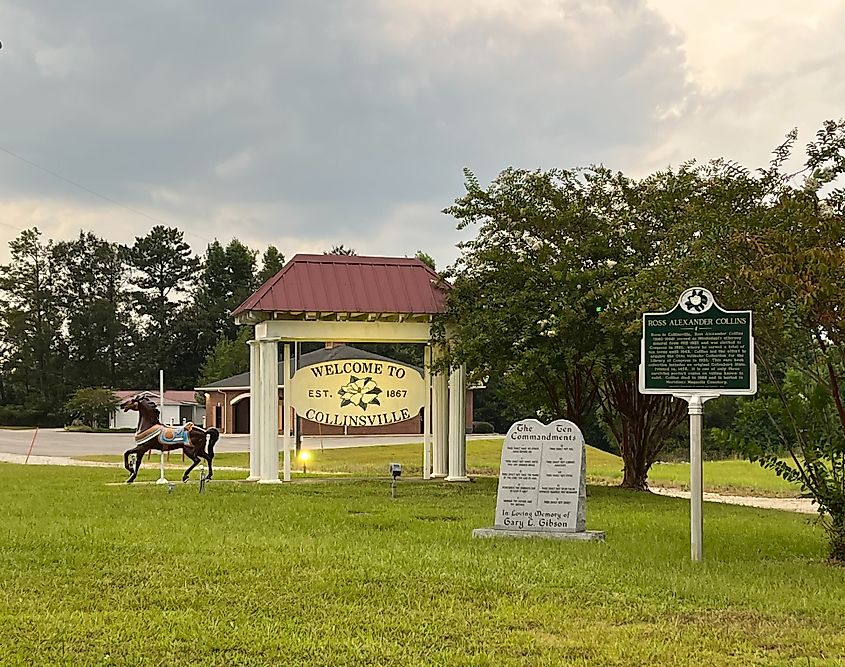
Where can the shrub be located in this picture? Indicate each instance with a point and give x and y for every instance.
(482, 427)
(19, 415)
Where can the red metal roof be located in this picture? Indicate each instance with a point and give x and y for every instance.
(350, 284)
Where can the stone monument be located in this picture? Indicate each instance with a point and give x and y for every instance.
(542, 484)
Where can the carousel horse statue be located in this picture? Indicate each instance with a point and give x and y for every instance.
(197, 443)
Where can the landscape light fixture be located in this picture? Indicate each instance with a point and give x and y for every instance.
(395, 470)
(304, 456)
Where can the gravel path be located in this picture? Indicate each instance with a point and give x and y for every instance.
(802, 505)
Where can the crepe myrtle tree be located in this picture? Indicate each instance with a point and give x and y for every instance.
(773, 240)
(91, 404)
(533, 293)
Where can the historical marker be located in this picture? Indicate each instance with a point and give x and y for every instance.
(695, 352)
(697, 348)
(542, 483)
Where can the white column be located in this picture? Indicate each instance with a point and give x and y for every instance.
(440, 411)
(269, 411)
(254, 391)
(286, 414)
(457, 426)
(427, 413)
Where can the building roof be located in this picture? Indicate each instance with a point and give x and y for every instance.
(350, 284)
(173, 397)
(336, 353)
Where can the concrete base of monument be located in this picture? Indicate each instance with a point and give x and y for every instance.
(582, 536)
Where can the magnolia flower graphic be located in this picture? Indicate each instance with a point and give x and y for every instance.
(696, 301)
(362, 392)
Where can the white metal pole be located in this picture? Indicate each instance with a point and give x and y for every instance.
(427, 413)
(162, 479)
(696, 492)
(288, 392)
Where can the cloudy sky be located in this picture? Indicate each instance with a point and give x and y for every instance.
(308, 123)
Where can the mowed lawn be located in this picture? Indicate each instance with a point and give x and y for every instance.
(483, 456)
(335, 572)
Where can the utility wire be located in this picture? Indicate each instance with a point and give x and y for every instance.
(93, 192)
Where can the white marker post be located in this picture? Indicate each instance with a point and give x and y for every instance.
(695, 352)
(162, 479)
(695, 409)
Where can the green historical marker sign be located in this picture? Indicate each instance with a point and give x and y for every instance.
(698, 348)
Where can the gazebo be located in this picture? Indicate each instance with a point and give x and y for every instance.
(341, 298)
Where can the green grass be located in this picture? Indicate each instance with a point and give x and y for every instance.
(732, 477)
(338, 573)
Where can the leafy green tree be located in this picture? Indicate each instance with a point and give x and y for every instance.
(92, 405)
(94, 276)
(341, 250)
(529, 302)
(774, 241)
(227, 358)
(272, 262)
(226, 280)
(426, 259)
(162, 267)
(516, 309)
(33, 345)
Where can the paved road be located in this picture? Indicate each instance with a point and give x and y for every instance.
(58, 442)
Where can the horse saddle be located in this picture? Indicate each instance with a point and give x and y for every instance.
(167, 435)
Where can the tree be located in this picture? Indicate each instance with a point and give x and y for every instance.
(33, 343)
(93, 274)
(341, 250)
(272, 262)
(92, 404)
(227, 358)
(162, 266)
(530, 300)
(774, 241)
(426, 259)
(226, 279)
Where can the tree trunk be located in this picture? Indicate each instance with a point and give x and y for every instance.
(634, 476)
(639, 423)
(836, 533)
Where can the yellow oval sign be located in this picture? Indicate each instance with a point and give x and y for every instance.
(357, 392)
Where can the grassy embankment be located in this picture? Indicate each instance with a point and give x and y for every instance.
(338, 573)
(733, 477)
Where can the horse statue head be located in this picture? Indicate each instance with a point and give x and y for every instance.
(140, 403)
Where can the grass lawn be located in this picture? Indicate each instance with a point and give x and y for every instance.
(338, 573)
(733, 477)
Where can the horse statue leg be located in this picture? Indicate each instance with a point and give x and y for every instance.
(139, 452)
(191, 454)
(199, 447)
(213, 435)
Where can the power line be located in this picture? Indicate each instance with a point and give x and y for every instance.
(93, 192)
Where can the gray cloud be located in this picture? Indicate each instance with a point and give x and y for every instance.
(311, 122)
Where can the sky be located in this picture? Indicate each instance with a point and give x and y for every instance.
(306, 124)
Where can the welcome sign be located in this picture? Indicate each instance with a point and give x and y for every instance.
(357, 392)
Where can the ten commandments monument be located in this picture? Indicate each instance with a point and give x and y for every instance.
(542, 483)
